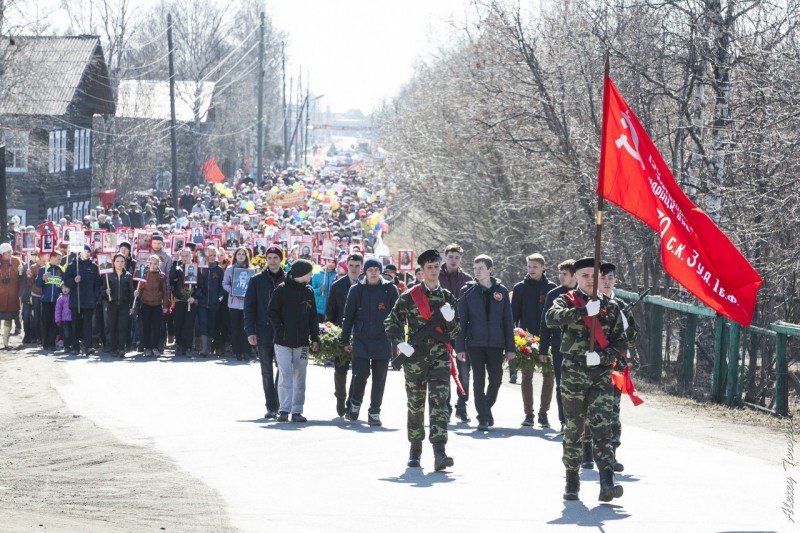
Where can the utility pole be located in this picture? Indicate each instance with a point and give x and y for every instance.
(308, 119)
(260, 137)
(173, 123)
(3, 196)
(285, 111)
(295, 137)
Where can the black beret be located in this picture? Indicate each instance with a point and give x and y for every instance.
(585, 262)
(126, 244)
(429, 256)
(605, 268)
(190, 245)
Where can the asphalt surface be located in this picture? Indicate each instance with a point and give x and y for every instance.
(334, 475)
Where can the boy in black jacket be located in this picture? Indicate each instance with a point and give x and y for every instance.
(293, 314)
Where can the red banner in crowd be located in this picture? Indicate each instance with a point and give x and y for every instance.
(694, 251)
(211, 171)
(107, 197)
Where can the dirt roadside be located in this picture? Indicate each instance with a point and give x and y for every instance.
(60, 472)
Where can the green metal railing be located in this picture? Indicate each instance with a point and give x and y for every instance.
(727, 378)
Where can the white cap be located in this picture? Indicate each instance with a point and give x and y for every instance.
(5, 248)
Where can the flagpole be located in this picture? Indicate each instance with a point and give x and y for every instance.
(599, 218)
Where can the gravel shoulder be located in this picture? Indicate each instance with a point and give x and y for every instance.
(60, 472)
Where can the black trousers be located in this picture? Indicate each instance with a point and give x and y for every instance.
(239, 343)
(358, 384)
(82, 327)
(485, 361)
(152, 319)
(183, 319)
(118, 325)
(269, 375)
(48, 325)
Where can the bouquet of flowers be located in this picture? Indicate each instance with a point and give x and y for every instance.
(527, 348)
(259, 261)
(330, 345)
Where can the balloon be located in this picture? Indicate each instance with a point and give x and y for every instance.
(327, 200)
(271, 221)
(336, 205)
(384, 227)
(360, 194)
(250, 207)
(274, 189)
(302, 215)
(373, 220)
(393, 190)
(310, 201)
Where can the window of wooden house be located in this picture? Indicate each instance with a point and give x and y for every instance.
(82, 149)
(57, 162)
(16, 142)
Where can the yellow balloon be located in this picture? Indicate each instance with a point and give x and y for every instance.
(336, 205)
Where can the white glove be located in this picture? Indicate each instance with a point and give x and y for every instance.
(448, 312)
(406, 349)
(593, 307)
(592, 358)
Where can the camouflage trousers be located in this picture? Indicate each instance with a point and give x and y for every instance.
(616, 425)
(588, 399)
(427, 372)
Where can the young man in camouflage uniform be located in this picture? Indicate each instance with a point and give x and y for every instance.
(427, 368)
(586, 388)
(608, 280)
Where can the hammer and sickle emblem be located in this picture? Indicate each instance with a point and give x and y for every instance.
(623, 139)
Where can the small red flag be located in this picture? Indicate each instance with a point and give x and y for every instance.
(694, 251)
(107, 197)
(622, 381)
(211, 171)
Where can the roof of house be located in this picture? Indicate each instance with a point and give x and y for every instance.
(149, 99)
(44, 75)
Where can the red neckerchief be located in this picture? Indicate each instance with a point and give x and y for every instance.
(424, 306)
(577, 301)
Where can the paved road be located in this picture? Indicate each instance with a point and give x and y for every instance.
(333, 475)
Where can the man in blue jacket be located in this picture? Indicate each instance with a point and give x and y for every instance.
(258, 327)
(527, 305)
(486, 332)
(334, 312)
(49, 280)
(369, 302)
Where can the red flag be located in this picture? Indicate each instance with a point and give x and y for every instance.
(107, 197)
(211, 171)
(622, 381)
(694, 251)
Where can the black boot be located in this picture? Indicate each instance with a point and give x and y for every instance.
(414, 455)
(587, 462)
(440, 458)
(618, 467)
(573, 486)
(608, 491)
(340, 407)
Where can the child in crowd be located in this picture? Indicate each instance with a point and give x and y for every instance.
(64, 317)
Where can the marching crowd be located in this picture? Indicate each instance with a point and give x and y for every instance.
(261, 269)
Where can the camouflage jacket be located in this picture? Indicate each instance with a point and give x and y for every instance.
(575, 333)
(405, 311)
(632, 329)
